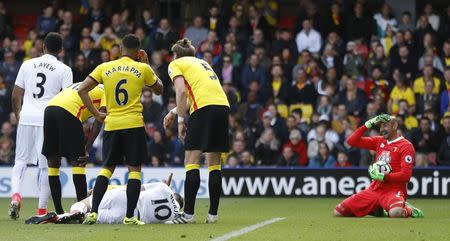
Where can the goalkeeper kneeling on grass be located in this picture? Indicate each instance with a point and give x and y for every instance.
(388, 189)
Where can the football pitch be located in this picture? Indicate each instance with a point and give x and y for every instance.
(248, 219)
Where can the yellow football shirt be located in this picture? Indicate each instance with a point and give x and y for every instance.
(419, 85)
(123, 80)
(201, 82)
(69, 100)
(398, 94)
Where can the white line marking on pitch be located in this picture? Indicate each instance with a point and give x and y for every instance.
(245, 230)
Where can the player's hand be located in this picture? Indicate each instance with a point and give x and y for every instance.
(181, 131)
(375, 173)
(82, 160)
(143, 57)
(168, 120)
(383, 118)
(100, 116)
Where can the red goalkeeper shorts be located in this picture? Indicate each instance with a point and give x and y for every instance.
(367, 201)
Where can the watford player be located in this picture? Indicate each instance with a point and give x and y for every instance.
(387, 191)
(207, 129)
(124, 135)
(64, 137)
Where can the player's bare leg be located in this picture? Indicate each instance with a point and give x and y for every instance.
(191, 186)
(133, 191)
(101, 184)
(214, 185)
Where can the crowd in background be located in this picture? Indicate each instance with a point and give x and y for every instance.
(296, 92)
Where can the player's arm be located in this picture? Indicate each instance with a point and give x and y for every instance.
(170, 117)
(157, 87)
(406, 167)
(95, 129)
(16, 99)
(83, 90)
(356, 139)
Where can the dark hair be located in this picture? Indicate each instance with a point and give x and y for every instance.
(131, 42)
(179, 199)
(53, 42)
(408, 13)
(183, 47)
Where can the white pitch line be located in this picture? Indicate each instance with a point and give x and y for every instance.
(245, 230)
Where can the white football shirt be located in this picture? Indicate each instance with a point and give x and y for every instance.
(41, 78)
(157, 203)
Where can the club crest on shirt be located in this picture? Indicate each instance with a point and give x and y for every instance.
(408, 159)
(382, 145)
(385, 156)
(394, 149)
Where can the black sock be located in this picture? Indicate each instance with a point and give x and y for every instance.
(101, 184)
(55, 189)
(133, 191)
(215, 188)
(191, 186)
(79, 181)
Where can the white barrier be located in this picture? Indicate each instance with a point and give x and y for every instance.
(30, 188)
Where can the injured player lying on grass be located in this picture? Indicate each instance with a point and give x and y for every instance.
(157, 204)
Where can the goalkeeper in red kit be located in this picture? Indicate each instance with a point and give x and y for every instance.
(387, 191)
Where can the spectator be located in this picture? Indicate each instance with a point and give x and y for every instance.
(253, 71)
(377, 84)
(342, 160)
(338, 120)
(196, 32)
(95, 13)
(406, 23)
(445, 94)
(298, 145)
(5, 22)
(427, 75)
(152, 111)
(324, 106)
(423, 27)
(256, 21)
(384, 19)
(68, 21)
(359, 26)
(9, 67)
(336, 20)
(267, 148)
(324, 158)
(424, 142)
(288, 157)
(164, 37)
(400, 91)
(247, 159)
(404, 112)
(6, 151)
(105, 56)
(269, 9)
(317, 135)
(96, 31)
(157, 148)
(330, 58)
(232, 162)
(91, 55)
(235, 27)
(147, 22)
(277, 124)
(389, 39)
(446, 52)
(257, 41)
(214, 21)
(283, 41)
(433, 18)
(232, 95)
(353, 97)
(430, 59)
(428, 100)
(279, 85)
(406, 63)
(228, 72)
(46, 22)
(303, 90)
(444, 149)
(212, 45)
(230, 49)
(119, 24)
(308, 38)
(175, 148)
(379, 59)
(80, 68)
(300, 122)
(70, 43)
(353, 62)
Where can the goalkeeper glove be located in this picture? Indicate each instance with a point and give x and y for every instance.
(383, 118)
(375, 173)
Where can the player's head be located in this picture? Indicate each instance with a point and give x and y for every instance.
(179, 199)
(53, 43)
(182, 48)
(389, 129)
(130, 46)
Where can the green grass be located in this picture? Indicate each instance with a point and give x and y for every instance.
(306, 219)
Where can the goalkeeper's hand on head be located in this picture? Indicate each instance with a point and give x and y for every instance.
(375, 173)
(383, 118)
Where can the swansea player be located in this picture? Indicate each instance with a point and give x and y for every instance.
(207, 129)
(387, 191)
(158, 203)
(64, 137)
(124, 135)
(38, 80)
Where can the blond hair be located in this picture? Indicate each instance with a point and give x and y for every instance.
(183, 47)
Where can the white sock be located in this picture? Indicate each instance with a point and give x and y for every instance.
(189, 216)
(44, 187)
(17, 175)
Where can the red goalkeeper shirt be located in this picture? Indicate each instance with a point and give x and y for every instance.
(399, 153)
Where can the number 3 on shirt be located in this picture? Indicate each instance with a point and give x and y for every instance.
(40, 85)
(121, 91)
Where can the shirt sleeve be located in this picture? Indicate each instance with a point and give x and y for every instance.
(20, 80)
(149, 76)
(406, 166)
(96, 74)
(68, 78)
(356, 139)
(174, 70)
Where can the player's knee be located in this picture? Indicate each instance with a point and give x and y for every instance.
(397, 212)
(337, 214)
